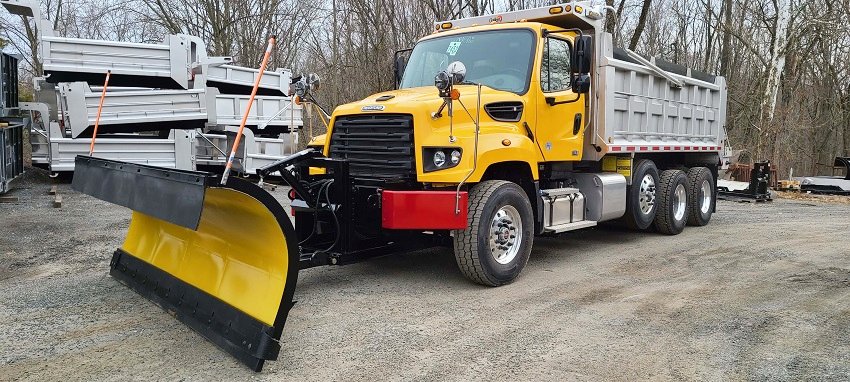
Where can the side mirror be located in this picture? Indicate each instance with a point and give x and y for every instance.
(582, 55)
(399, 64)
(581, 83)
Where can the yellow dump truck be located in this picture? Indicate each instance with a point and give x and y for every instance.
(502, 128)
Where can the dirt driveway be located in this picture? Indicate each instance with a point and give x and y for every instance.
(762, 293)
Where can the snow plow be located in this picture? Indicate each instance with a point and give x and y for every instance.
(220, 257)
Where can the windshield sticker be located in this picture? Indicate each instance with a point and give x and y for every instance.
(453, 48)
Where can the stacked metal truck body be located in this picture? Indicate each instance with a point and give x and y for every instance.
(166, 104)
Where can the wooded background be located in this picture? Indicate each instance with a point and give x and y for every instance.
(787, 63)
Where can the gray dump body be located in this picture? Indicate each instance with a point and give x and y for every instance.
(267, 110)
(179, 62)
(134, 110)
(639, 110)
(232, 79)
(167, 65)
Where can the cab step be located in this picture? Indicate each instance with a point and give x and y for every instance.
(570, 226)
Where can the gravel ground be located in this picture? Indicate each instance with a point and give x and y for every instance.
(762, 293)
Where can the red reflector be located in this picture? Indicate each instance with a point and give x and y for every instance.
(422, 210)
(292, 194)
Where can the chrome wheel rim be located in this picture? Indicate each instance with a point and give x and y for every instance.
(679, 200)
(505, 234)
(705, 196)
(646, 194)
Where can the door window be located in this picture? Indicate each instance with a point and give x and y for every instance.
(555, 68)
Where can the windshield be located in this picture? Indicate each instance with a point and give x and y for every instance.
(498, 59)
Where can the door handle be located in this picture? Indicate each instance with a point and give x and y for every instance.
(577, 123)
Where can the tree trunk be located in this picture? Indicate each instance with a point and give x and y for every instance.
(777, 59)
(726, 48)
(644, 13)
(610, 19)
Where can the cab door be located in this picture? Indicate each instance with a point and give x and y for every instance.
(560, 123)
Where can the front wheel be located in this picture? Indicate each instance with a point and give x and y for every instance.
(496, 244)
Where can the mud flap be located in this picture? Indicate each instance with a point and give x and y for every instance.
(222, 259)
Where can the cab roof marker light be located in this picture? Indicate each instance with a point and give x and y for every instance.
(563, 14)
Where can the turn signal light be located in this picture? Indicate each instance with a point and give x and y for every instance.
(297, 100)
(579, 9)
(556, 10)
(446, 25)
(568, 8)
(455, 94)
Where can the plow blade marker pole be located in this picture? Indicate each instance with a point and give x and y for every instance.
(265, 62)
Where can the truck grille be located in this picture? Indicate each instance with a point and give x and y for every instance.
(377, 146)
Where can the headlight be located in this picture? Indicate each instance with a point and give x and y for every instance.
(455, 157)
(440, 158)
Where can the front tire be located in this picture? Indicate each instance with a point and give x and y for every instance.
(496, 244)
(672, 203)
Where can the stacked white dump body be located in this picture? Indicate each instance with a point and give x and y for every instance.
(168, 65)
(153, 88)
(648, 106)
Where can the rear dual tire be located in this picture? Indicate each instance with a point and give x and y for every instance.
(672, 193)
(641, 195)
(701, 196)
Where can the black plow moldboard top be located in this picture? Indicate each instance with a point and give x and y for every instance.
(176, 196)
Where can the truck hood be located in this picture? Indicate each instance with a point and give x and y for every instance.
(423, 101)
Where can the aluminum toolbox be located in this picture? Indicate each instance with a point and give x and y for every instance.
(562, 206)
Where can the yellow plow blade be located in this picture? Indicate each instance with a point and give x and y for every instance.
(223, 259)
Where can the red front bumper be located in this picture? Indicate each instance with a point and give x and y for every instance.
(425, 210)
